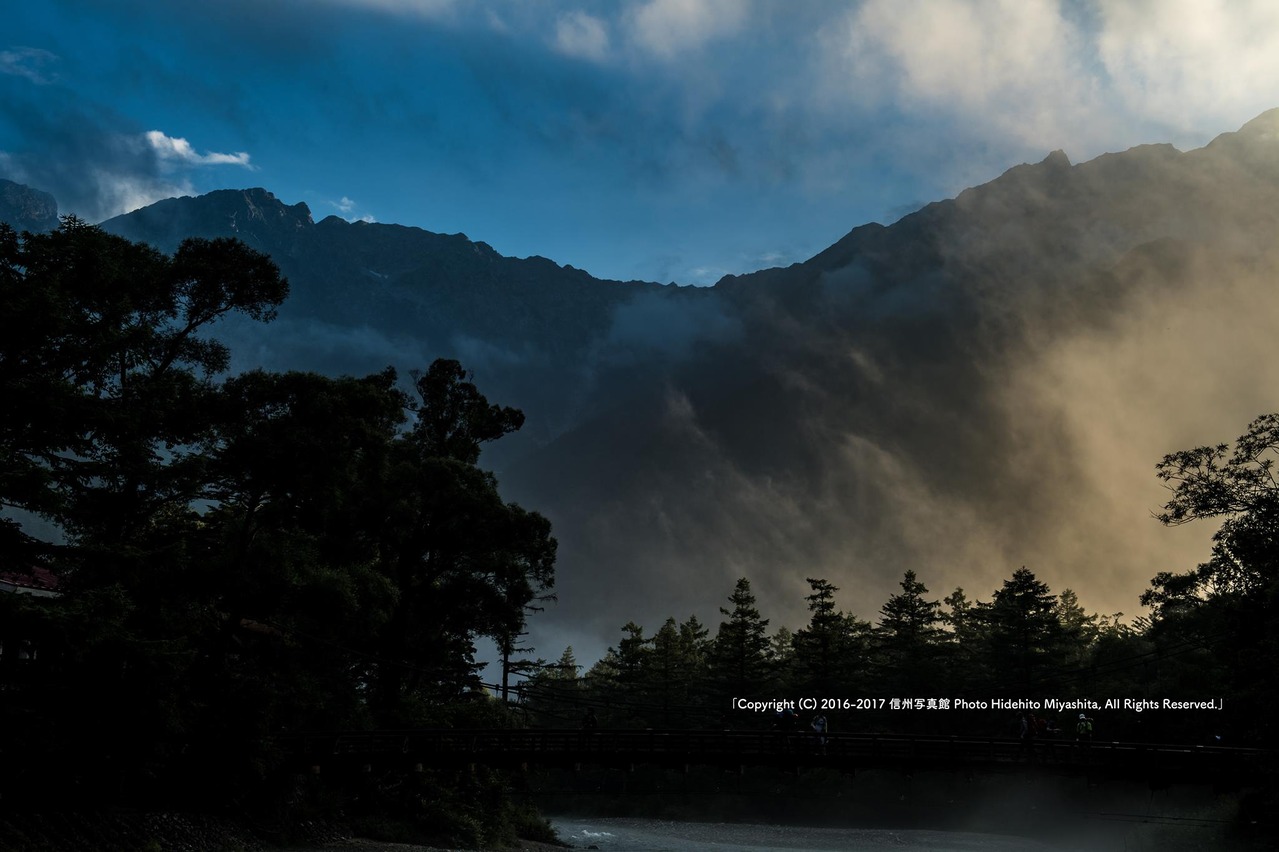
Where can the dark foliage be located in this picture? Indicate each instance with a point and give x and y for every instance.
(238, 557)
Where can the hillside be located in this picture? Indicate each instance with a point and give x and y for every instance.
(984, 384)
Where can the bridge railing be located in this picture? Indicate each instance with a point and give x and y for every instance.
(744, 747)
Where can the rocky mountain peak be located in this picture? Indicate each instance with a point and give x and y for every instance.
(27, 209)
(253, 215)
(1255, 146)
(1056, 161)
(1264, 127)
(262, 205)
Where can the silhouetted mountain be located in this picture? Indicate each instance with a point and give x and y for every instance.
(364, 295)
(254, 216)
(27, 209)
(986, 383)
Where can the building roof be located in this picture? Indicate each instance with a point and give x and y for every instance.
(31, 581)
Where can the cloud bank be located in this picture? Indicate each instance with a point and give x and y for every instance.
(176, 149)
(31, 63)
(655, 139)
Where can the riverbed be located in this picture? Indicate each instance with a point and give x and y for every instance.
(649, 835)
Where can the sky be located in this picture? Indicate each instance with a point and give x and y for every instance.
(663, 140)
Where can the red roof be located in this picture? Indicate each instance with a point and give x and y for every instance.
(31, 578)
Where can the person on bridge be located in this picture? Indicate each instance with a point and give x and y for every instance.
(589, 722)
(819, 726)
(1083, 729)
(784, 725)
(1026, 733)
(785, 721)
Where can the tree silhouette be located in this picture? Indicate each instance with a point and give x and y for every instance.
(740, 655)
(908, 640)
(830, 650)
(108, 378)
(1227, 609)
(239, 556)
(1023, 634)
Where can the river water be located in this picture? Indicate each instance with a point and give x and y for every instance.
(650, 835)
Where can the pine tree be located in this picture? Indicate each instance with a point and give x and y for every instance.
(1079, 629)
(618, 681)
(553, 696)
(832, 648)
(785, 670)
(1024, 634)
(740, 658)
(966, 640)
(909, 640)
(667, 674)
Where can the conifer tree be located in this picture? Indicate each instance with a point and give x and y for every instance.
(832, 648)
(1079, 629)
(695, 650)
(909, 641)
(1024, 635)
(667, 675)
(554, 695)
(965, 675)
(618, 681)
(740, 658)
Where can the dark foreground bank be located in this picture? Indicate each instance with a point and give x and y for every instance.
(356, 844)
(137, 831)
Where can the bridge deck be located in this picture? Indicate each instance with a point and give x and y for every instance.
(847, 752)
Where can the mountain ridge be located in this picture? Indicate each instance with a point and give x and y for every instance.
(983, 384)
(26, 208)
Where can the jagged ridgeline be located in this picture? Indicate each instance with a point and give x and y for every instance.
(985, 383)
(27, 209)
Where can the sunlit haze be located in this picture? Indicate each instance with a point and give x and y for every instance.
(987, 386)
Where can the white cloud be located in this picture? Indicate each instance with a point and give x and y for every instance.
(670, 27)
(418, 8)
(170, 148)
(122, 193)
(704, 275)
(29, 62)
(581, 35)
(350, 210)
(1030, 75)
(1015, 65)
(1187, 63)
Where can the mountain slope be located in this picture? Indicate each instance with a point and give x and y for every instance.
(984, 384)
(364, 295)
(27, 209)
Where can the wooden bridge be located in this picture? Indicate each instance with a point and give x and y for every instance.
(1158, 763)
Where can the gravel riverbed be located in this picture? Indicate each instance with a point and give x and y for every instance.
(361, 845)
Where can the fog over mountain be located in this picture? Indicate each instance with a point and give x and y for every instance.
(985, 384)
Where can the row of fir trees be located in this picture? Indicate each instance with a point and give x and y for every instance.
(1025, 642)
(237, 557)
(1211, 633)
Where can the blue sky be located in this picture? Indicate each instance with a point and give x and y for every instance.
(668, 140)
